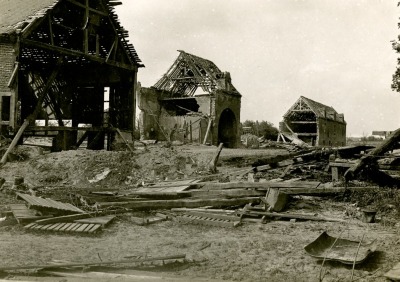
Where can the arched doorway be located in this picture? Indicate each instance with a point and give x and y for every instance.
(227, 128)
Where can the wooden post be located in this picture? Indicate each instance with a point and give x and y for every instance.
(208, 130)
(214, 161)
(191, 132)
(126, 142)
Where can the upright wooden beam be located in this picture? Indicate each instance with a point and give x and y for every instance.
(208, 130)
(51, 30)
(86, 31)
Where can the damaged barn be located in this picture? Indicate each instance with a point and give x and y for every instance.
(313, 123)
(176, 111)
(66, 66)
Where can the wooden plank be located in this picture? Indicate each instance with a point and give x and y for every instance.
(293, 216)
(50, 226)
(212, 216)
(190, 203)
(65, 218)
(95, 228)
(90, 226)
(72, 226)
(62, 265)
(78, 225)
(177, 186)
(59, 226)
(229, 193)
(137, 276)
(203, 221)
(40, 227)
(31, 226)
(103, 220)
(81, 228)
(320, 191)
(261, 185)
(54, 226)
(65, 227)
(335, 173)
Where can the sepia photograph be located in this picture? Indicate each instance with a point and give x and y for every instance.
(199, 140)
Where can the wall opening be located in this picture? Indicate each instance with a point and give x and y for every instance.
(227, 129)
(5, 108)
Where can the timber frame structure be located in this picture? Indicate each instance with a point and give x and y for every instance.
(314, 123)
(175, 109)
(66, 65)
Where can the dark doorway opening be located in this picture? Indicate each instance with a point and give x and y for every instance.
(227, 129)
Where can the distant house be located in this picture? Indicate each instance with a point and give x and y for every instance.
(314, 123)
(382, 134)
(69, 63)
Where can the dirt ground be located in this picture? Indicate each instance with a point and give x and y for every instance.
(273, 251)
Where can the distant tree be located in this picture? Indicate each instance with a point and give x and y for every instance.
(261, 129)
(396, 75)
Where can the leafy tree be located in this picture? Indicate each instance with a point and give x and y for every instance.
(263, 128)
(396, 75)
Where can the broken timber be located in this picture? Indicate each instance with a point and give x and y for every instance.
(24, 215)
(168, 204)
(386, 145)
(83, 264)
(291, 216)
(262, 185)
(41, 203)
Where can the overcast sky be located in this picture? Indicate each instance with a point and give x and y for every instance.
(337, 52)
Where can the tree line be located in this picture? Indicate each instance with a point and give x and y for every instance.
(261, 129)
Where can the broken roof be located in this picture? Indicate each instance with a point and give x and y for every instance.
(189, 72)
(320, 110)
(16, 14)
(19, 14)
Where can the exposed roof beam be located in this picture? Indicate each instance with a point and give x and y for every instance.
(309, 111)
(90, 9)
(307, 134)
(75, 53)
(303, 122)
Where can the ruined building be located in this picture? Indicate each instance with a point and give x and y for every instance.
(65, 64)
(314, 123)
(176, 110)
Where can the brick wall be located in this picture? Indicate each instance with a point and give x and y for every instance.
(7, 59)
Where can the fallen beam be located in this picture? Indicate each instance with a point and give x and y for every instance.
(321, 191)
(231, 193)
(387, 145)
(262, 185)
(82, 264)
(292, 216)
(168, 204)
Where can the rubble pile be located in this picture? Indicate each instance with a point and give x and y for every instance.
(165, 184)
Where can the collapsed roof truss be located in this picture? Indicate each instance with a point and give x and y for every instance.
(86, 29)
(189, 72)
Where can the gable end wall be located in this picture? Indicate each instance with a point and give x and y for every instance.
(7, 60)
